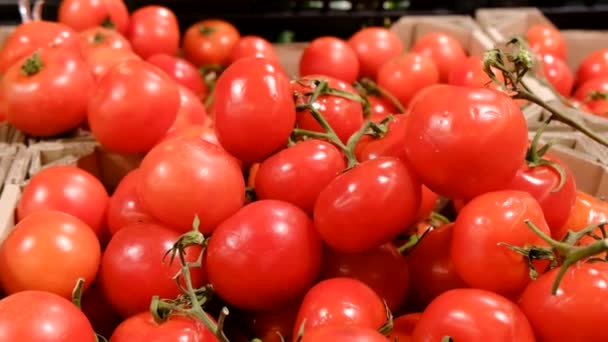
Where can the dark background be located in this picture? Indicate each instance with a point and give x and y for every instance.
(309, 19)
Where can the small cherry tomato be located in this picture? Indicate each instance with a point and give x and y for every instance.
(546, 40)
(330, 56)
(253, 46)
(210, 41)
(443, 49)
(374, 46)
(154, 29)
(85, 14)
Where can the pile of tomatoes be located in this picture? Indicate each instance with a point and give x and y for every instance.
(386, 193)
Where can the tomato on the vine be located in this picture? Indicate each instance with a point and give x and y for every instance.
(253, 46)
(154, 29)
(545, 39)
(443, 49)
(330, 56)
(380, 108)
(470, 73)
(374, 46)
(595, 65)
(85, 14)
(390, 145)
(210, 41)
(143, 328)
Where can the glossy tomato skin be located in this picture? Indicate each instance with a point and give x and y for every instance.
(427, 204)
(558, 74)
(599, 84)
(101, 37)
(390, 145)
(28, 37)
(587, 210)
(381, 107)
(187, 176)
(580, 302)
(470, 73)
(67, 189)
(482, 225)
(191, 111)
(153, 29)
(143, 328)
(405, 75)
(382, 268)
(344, 333)
(181, 71)
(383, 185)
(474, 316)
(545, 39)
(345, 116)
(330, 56)
(48, 251)
(339, 302)
(253, 46)
(277, 233)
(593, 66)
(374, 46)
(85, 14)
(130, 280)
(443, 49)
(403, 327)
(65, 75)
(102, 59)
(541, 182)
(253, 95)
(299, 173)
(125, 206)
(42, 316)
(210, 41)
(443, 132)
(133, 106)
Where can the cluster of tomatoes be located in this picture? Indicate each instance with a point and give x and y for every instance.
(384, 194)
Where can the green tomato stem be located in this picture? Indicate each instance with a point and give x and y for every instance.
(77, 293)
(32, 65)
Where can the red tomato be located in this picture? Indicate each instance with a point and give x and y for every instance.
(546, 40)
(330, 56)
(181, 71)
(340, 302)
(187, 176)
(253, 95)
(470, 73)
(33, 35)
(432, 268)
(390, 145)
(191, 111)
(482, 225)
(342, 210)
(541, 182)
(42, 316)
(583, 92)
(133, 107)
(344, 333)
(382, 268)
(67, 189)
(444, 129)
(403, 327)
(26, 86)
(270, 326)
(381, 107)
(133, 268)
(405, 75)
(101, 37)
(125, 206)
(85, 14)
(143, 328)
(474, 316)
(345, 116)
(99, 312)
(277, 233)
(374, 46)
(210, 41)
(427, 204)
(558, 74)
(581, 301)
(48, 251)
(253, 46)
(102, 59)
(587, 210)
(595, 65)
(154, 29)
(443, 49)
(299, 173)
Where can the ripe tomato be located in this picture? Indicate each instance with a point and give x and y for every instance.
(270, 326)
(187, 176)
(42, 316)
(330, 56)
(546, 40)
(102, 59)
(583, 92)
(382, 268)
(587, 210)
(27, 84)
(101, 37)
(125, 206)
(210, 41)
(181, 71)
(374, 46)
(48, 251)
(581, 301)
(133, 106)
(154, 29)
(443, 130)
(299, 173)
(470, 73)
(85, 14)
(427, 204)
(340, 302)
(191, 111)
(33, 35)
(381, 107)
(558, 74)
(129, 280)
(443, 49)
(253, 46)
(403, 327)
(384, 186)
(277, 233)
(390, 145)
(143, 328)
(593, 66)
(405, 75)
(345, 116)
(344, 333)
(67, 189)
(432, 268)
(253, 95)
(473, 315)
